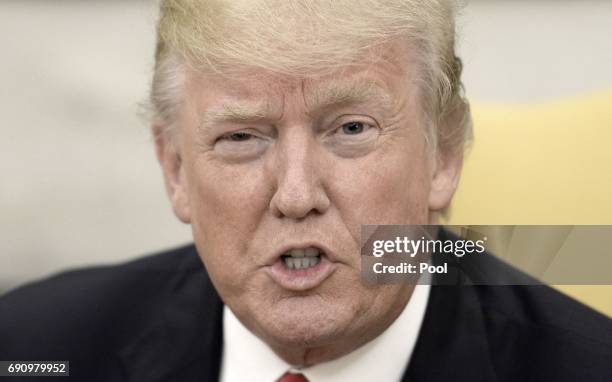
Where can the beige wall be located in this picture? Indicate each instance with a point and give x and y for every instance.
(537, 50)
(79, 181)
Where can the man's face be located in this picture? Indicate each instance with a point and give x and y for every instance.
(276, 176)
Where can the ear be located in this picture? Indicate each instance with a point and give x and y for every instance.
(445, 180)
(169, 157)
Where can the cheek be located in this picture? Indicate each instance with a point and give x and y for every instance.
(232, 197)
(227, 204)
(388, 187)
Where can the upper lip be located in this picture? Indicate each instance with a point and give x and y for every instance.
(331, 256)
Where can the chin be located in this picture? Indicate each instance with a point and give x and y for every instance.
(305, 321)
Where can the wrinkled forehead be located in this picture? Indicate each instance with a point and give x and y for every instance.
(379, 76)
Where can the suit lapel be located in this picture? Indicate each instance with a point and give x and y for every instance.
(184, 341)
(452, 343)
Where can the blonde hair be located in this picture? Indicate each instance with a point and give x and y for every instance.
(305, 38)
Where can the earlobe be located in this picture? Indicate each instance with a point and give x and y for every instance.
(170, 160)
(445, 180)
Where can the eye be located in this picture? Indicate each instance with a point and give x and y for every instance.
(353, 135)
(353, 127)
(237, 137)
(358, 128)
(241, 145)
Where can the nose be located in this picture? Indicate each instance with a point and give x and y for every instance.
(297, 169)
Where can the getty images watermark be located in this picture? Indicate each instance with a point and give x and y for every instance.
(557, 254)
(408, 248)
(392, 254)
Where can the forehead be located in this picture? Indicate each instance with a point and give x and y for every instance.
(380, 76)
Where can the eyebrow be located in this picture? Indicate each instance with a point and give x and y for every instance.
(334, 94)
(234, 112)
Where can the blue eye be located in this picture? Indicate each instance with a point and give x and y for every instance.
(353, 128)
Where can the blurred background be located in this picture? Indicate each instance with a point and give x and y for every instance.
(79, 181)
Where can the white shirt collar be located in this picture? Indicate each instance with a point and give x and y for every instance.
(247, 358)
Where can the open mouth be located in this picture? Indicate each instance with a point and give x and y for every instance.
(302, 258)
(300, 268)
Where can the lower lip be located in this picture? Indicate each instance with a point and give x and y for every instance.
(301, 279)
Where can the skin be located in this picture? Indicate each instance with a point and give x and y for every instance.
(265, 161)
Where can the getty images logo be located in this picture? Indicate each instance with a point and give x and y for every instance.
(411, 247)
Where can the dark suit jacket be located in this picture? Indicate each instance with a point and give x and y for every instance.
(160, 319)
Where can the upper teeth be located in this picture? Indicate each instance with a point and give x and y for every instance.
(303, 252)
(302, 258)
